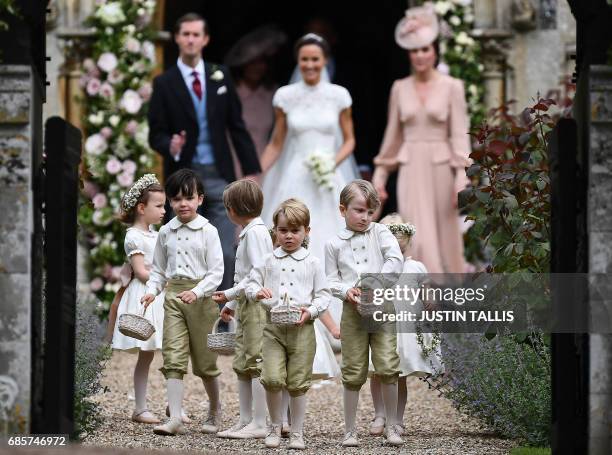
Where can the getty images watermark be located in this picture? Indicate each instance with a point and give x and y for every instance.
(486, 302)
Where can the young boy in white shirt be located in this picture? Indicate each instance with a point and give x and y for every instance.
(288, 351)
(188, 262)
(363, 247)
(243, 202)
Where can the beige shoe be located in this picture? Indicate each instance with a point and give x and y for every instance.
(273, 439)
(377, 426)
(250, 431)
(237, 427)
(350, 439)
(170, 428)
(392, 436)
(184, 416)
(142, 417)
(212, 423)
(285, 430)
(296, 441)
(401, 429)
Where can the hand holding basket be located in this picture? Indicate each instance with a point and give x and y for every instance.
(136, 326)
(222, 342)
(284, 313)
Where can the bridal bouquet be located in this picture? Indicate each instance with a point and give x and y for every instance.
(322, 166)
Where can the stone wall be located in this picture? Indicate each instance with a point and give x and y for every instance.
(18, 143)
(600, 251)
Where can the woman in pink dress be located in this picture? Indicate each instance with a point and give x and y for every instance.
(427, 142)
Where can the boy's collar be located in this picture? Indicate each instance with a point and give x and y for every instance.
(298, 255)
(346, 233)
(197, 223)
(254, 222)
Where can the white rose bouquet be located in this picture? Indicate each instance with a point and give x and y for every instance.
(322, 167)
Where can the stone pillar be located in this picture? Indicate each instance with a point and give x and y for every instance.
(20, 151)
(494, 54)
(600, 251)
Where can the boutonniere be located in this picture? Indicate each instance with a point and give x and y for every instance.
(217, 75)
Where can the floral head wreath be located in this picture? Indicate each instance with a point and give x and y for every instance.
(131, 197)
(405, 229)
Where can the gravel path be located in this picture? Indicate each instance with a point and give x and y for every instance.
(433, 425)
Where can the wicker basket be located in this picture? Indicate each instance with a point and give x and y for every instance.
(136, 326)
(284, 313)
(223, 342)
(367, 308)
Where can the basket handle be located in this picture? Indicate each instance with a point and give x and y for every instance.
(286, 300)
(231, 323)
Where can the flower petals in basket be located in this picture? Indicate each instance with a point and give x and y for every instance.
(136, 326)
(222, 342)
(284, 313)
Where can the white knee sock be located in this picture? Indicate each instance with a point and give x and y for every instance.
(298, 413)
(351, 399)
(259, 403)
(275, 402)
(402, 398)
(286, 416)
(212, 390)
(141, 377)
(175, 397)
(389, 395)
(245, 399)
(379, 406)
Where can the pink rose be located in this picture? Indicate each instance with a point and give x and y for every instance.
(107, 62)
(99, 201)
(116, 273)
(131, 127)
(125, 179)
(113, 166)
(129, 166)
(89, 65)
(90, 189)
(115, 76)
(107, 132)
(107, 91)
(132, 45)
(145, 91)
(93, 87)
(96, 284)
(95, 144)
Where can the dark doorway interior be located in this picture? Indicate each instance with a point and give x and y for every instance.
(368, 60)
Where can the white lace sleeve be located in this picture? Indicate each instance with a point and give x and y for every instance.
(343, 98)
(281, 99)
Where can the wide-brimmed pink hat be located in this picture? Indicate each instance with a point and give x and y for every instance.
(418, 28)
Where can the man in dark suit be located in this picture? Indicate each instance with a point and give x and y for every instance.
(193, 107)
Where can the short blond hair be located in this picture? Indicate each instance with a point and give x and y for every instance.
(364, 187)
(295, 211)
(244, 197)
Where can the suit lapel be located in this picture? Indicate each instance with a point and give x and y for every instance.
(211, 90)
(183, 93)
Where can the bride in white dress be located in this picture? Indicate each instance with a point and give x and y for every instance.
(307, 115)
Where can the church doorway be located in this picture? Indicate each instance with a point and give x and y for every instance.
(365, 53)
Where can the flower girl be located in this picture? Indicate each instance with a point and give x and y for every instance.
(141, 206)
(413, 361)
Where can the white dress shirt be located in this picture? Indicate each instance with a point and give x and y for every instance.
(187, 251)
(299, 274)
(351, 253)
(254, 243)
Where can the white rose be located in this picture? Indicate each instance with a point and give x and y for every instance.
(148, 50)
(454, 20)
(95, 144)
(109, 30)
(110, 13)
(114, 120)
(131, 101)
(95, 119)
(140, 11)
(443, 7)
(142, 135)
(462, 2)
(132, 45)
(107, 62)
(217, 75)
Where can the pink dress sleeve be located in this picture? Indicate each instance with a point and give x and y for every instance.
(392, 140)
(459, 126)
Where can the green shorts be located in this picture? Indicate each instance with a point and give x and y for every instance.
(249, 339)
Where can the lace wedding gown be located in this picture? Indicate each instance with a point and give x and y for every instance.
(312, 120)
